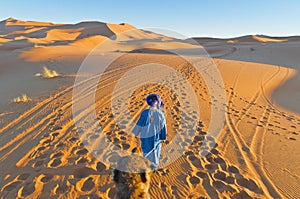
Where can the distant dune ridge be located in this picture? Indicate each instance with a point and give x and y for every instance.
(248, 38)
(42, 155)
(54, 39)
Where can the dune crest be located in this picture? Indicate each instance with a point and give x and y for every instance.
(265, 39)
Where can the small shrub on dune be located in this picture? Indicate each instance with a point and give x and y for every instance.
(47, 73)
(22, 99)
(37, 45)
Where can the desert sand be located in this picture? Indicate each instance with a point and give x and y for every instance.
(42, 156)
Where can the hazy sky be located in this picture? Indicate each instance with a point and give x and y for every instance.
(214, 18)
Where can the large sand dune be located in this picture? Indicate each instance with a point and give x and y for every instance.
(42, 156)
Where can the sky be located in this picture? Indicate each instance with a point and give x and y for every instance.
(191, 18)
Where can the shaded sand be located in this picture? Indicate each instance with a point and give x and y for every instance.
(41, 154)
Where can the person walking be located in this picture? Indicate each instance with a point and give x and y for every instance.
(151, 129)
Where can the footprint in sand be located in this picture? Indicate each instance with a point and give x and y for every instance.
(214, 151)
(123, 138)
(187, 153)
(38, 163)
(38, 150)
(125, 146)
(60, 145)
(210, 158)
(164, 160)
(54, 163)
(54, 134)
(85, 185)
(233, 169)
(81, 160)
(221, 186)
(51, 123)
(11, 186)
(163, 172)
(202, 175)
(94, 136)
(23, 176)
(59, 189)
(163, 187)
(57, 155)
(26, 190)
(220, 175)
(193, 180)
(203, 152)
(83, 172)
(221, 162)
(211, 139)
(55, 128)
(73, 139)
(174, 190)
(194, 161)
(100, 166)
(82, 151)
(230, 180)
(111, 192)
(211, 167)
(249, 184)
(45, 178)
(242, 194)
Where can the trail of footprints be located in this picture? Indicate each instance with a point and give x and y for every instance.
(274, 126)
(210, 174)
(72, 169)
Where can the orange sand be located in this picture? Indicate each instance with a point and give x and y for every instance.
(42, 156)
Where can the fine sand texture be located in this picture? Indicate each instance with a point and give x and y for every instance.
(256, 154)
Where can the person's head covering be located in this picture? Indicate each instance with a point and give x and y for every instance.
(154, 100)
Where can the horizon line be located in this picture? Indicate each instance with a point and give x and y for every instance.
(188, 37)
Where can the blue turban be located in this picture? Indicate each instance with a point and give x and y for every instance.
(154, 100)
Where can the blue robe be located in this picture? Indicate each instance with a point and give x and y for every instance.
(151, 128)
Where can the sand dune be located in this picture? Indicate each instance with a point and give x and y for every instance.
(257, 38)
(16, 22)
(3, 40)
(42, 155)
(265, 39)
(55, 40)
(246, 39)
